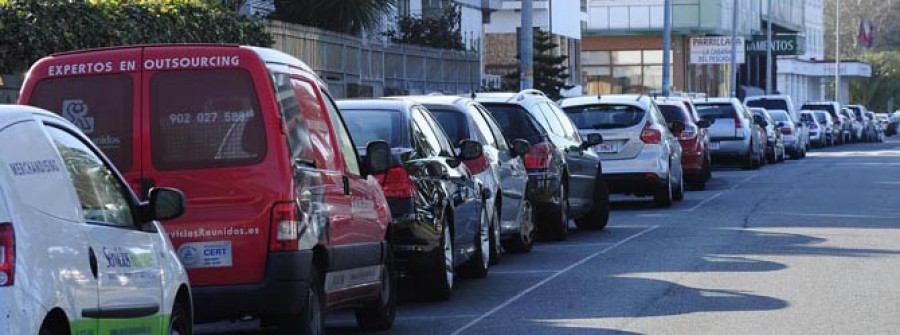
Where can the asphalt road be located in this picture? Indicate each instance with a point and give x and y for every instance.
(804, 247)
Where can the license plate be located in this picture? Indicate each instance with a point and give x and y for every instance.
(607, 148)
(714, 145)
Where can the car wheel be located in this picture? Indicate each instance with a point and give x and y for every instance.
(679, 191)
(312, 319)
(557, 220)
(180, 323)
(496, 246)
(599, 215)
(525, 241)
(663, 196)
(747, 164)
(439, 284)
(379, 315)
(477, 266)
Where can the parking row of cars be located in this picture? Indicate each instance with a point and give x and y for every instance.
(281, 203)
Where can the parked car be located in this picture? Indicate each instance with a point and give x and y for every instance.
(834, 110)
(733, 133)
(820, 127)
(500, 169)
(773, 102)
(285, 220)
(794, 134)
(878, 125)
(862, 127)
(872, 127)
(76, 245)
(641, 155)
(775, 151)
(564, 172)
(847, 127)
(440, 210)
(696, 159)
(856, 124)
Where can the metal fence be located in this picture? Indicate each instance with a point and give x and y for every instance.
(372, 67)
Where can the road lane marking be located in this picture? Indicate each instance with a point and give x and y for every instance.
(710, 198)
(522, 272)
(744, 181)
(838, 216)
(572, 245)
(548, 279)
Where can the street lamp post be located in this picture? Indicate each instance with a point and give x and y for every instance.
(733, 74)
(526, 46)
(769, 49)
(837, 52)
(667, 47)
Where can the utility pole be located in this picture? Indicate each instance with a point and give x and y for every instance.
(769, 49)
(837, 52)
(526, 46)
(733, 74)
(667, 47)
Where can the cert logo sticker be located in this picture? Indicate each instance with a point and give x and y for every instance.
(206, 254)
(76, 111)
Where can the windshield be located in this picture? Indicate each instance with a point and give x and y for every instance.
(822, 116)
(454, 124)
(605, 116)
(515, 122)
(716, 111)
(375, 125)
(768, 104)
(780, 116)
(673, 113)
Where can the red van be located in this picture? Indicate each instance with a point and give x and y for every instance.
(283, 220)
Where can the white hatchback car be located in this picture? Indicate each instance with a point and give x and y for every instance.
(79, 254)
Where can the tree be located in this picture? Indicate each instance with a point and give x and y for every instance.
(877, 91)
(437, 31)
(882, 13)
(343, 16)
(550, 74)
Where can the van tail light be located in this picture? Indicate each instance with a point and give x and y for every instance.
(650, 134)
(813, 126)
(738, 123)
(397, 184)
(787, 131)
(539, 157)
(689, 132)
(7, 255)
(285, 232)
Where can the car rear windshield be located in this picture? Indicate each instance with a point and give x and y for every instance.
(824, 108)
(605, 116)
(454, 124)
(716, 111)
(101, 106)
(780, 116)
(205, 119)
(822, 116)
(673, 113)
(808, 117)
(857, 113)
(768, 104)
(515, 122)
(375, 125)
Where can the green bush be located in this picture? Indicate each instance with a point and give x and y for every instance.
(31, 29)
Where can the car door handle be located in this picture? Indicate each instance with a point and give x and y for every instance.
(93, 261)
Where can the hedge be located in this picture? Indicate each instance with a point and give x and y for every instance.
(31, 29)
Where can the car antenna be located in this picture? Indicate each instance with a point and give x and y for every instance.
(639, 97)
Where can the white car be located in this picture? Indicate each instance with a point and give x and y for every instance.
(79, 254)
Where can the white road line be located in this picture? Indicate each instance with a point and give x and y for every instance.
(411, 317)
(710, 198)
(548, 279)
(744, 181)
(522, 272)
(839, 216)
(573, 245)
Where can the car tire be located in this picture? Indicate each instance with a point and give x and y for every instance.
(598, 218)
(380, 314)
(525, 241)
(663, 196)
(477, 266)
(312, 318)
(180, 322)
(496, 246)
(557, 219)
(747, 164)
(678, 195)
(439, 282)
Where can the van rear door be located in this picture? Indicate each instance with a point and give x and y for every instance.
(211, 128)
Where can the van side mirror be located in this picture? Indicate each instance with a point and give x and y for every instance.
(704, 124)
(592, 140)
(165, 204)
(677, 126)
(520, 147)
(469, 150)
(378, 157)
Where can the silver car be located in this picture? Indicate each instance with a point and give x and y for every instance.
(640, 154)
(794, 134)
(733, 132)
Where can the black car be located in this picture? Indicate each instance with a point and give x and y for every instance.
(501, 170)
(564, 173)
(440, 218)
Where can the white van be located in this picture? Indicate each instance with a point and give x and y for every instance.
(79, 254)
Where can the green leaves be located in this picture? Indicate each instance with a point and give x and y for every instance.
(550, 73)
(343, 16)
(31, 29)
(439, 31)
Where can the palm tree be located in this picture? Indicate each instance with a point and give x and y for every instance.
(343, 16)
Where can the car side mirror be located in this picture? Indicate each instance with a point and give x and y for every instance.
(469, 150)
(520, 147)
(378, 157)
(760, 121)
(592, 140)
(780, 125)
(165, 204)
(677, 126)
(704, 124)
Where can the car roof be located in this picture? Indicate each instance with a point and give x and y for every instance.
(640, 101)
(511, 97)
(715, 101)
(768, 97)
(10, 114)
(436, 100)
(375, 104)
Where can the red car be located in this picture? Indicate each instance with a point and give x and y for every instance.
(283, 220)
(695, 158)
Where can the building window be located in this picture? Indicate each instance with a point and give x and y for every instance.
(624, 71)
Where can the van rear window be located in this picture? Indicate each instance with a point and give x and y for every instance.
(205, 119)
(102, 106)
(605, 116)
(768, 104)
(716, 111)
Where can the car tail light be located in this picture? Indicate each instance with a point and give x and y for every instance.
(689, 132)
(397, 184)
(7, 255)
(539, 157)
(285, 233)
(738, 123)
(787, 131)
(650, 134)
(813, 126)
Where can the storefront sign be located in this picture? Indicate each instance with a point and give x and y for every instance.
(715, 50)
(782, 45)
